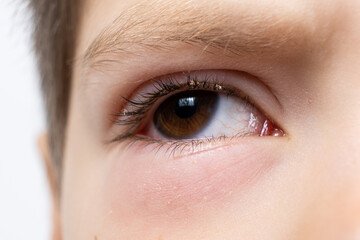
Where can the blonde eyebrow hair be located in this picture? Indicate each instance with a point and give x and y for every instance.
(159, 25)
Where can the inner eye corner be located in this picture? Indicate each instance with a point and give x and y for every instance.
(275, 130)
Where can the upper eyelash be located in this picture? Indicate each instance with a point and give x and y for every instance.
(163, 87)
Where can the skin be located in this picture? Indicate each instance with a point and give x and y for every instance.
(304, 185)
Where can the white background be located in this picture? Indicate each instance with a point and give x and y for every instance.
(24, 198)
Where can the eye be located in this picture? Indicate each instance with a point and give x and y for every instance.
(207, 114)
(186, 114)
(194, 110)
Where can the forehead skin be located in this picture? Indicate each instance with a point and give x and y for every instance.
(304, 186)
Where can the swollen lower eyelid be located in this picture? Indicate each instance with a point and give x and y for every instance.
(206, 177)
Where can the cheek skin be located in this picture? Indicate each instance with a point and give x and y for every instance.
(149, 183)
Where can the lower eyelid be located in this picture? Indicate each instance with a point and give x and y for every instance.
(157, 185)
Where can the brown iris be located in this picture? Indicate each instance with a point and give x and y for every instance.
(185, 114)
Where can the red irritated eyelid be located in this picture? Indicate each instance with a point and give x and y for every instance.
(150, 184)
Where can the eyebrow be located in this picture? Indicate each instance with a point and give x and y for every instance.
(162, 26)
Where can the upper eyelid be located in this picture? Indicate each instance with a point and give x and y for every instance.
(132, 119)
(165, 88)
(211, 77)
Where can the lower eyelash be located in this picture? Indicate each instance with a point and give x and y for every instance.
(178, 147)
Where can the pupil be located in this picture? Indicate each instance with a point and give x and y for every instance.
(185, 114)
(186, 107)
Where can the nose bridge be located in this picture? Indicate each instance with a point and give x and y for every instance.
(334, 156)
(339, 115)
(338, 146)
(336, 83)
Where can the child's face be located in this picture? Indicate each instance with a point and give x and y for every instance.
(250, 131)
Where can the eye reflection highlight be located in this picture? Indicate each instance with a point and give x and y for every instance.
(186, 107)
